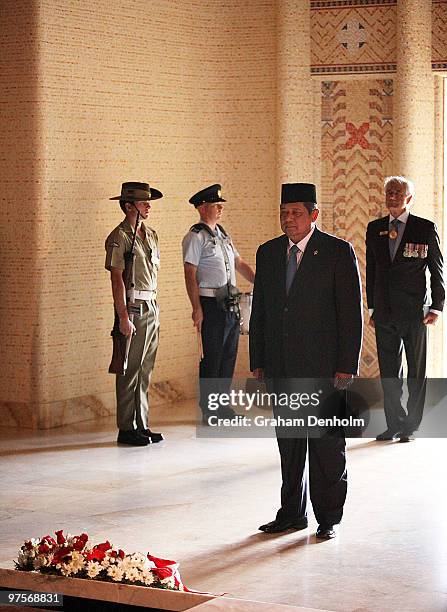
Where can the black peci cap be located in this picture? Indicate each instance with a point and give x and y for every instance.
(298, 192)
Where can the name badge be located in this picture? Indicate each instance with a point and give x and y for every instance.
(418, 251)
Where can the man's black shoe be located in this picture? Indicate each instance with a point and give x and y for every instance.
(278, 526)
(406, 437)
(153, 436)
(133, 438)
(387, 435)
(325, 532)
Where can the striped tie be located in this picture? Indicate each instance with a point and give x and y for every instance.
(394, 242)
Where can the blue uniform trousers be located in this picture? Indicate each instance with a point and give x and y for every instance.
(220, 338)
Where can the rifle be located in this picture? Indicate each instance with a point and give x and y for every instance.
(121, 343)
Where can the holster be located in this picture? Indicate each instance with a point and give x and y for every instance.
(228, 298)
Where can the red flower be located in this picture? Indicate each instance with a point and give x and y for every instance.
(104, 546)
(80, 541)
(114, 554)
(49, 540)
(62, 554)
(160, 562)
(43, 549)
(162, 572)
(95, 555)
(60, 537)
(99, 552)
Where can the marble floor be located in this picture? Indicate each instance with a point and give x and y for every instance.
(199, 501)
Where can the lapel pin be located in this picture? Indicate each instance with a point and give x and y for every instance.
(315, 252)
(384, 233)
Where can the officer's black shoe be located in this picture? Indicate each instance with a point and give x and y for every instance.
(225, 412)
(206, 414)
(221, 413)
(153, 436)
(133, 438)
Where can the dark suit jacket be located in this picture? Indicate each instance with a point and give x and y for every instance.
(397, 290)
(316, 330)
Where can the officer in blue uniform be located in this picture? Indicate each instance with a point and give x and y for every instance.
(210, 262)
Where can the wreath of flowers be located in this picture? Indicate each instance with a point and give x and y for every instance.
(74, 556)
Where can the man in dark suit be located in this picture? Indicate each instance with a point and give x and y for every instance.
(306, 323)
(399, 249)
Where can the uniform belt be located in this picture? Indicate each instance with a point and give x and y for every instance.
(143, 295)
(207, 292)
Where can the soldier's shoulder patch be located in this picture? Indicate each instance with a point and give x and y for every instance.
(195, 228)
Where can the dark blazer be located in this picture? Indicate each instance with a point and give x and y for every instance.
(316, 330)
(397, 290)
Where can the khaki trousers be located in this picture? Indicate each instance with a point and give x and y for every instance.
(132, 407)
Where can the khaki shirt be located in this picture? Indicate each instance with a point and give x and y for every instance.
(147, 254)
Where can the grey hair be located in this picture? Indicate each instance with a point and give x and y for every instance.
(402, 181)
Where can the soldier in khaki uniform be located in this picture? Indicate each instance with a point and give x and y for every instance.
(132, 387)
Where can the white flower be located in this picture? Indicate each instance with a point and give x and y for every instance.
(111, 560)
(106, 562)
(115, 573)
(72, 567)
(169, 582)
(138, 560)
(133, 574)
(65, 569)
(24, 558)
(42, 561)
(126, 564)
(77, 562)
(93, 569)
(147, 577)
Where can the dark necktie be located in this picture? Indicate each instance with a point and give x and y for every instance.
(394, 225)
(291, 267)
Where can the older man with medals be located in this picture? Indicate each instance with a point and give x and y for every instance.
(400, 249)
